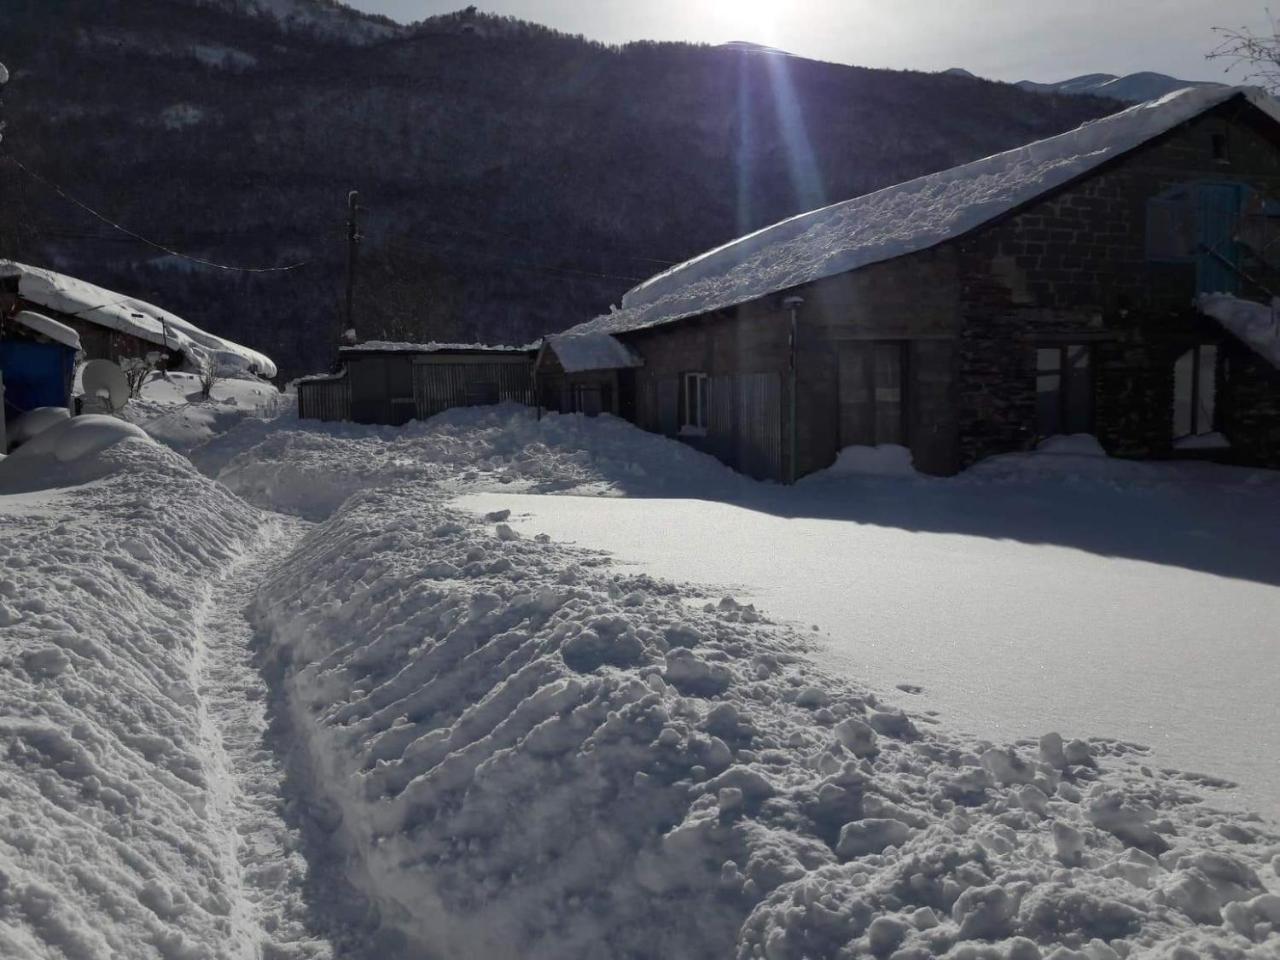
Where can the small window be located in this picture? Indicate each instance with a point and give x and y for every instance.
(1064, 389)
(1218, 147)
(694, 402)
(1195, 391)
(482, 393)
(1171, 227)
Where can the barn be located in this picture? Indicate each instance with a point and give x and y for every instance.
(393, 383)
(1078, 284)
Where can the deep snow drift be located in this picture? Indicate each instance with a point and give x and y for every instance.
(140, 813)
(106, 844)
(536, 754)
(172, 411)
(309, 468)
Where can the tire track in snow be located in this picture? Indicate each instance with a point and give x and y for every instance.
(270, 918)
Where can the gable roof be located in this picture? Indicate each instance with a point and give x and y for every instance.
(902, 219)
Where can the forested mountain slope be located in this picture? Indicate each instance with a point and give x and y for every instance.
(516, 180)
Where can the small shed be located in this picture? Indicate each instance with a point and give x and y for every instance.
(589, 373)
(38, 361)
(393, 383)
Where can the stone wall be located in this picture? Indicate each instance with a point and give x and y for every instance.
(1074, 268)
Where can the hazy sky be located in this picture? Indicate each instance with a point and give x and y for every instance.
(1001, 39)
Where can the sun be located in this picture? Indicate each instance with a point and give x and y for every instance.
(754, 20)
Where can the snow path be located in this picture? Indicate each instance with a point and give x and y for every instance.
(247, 795)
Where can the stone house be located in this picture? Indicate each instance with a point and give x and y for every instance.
(1056, 288)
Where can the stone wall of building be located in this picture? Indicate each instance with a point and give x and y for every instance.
(1074, 267)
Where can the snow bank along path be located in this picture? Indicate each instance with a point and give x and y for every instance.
(1001, 636)
(535, 754)
(137, 808)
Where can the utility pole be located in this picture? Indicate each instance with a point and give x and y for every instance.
(353, 243)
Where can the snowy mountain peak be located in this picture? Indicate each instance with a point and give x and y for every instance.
(1131, 88)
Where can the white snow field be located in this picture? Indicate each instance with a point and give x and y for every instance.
(407, 730)
(1135, 601)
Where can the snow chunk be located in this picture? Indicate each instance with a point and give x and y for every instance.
(67, 452)
(434, 346)
(48, 327)
(1203, 441)
(886, 460)
(1072, 444)
(35, 421)
(1257, 324)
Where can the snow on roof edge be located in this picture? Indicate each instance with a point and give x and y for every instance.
(434, 346)
(1256, 324)
(48, 327)
(903, 218)
(582, 352)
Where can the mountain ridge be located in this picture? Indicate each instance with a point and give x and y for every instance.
(1130, 88)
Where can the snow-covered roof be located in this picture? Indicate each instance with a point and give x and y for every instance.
(901, 219)
(592, 351)
(434, 346)
(48, 327)
(1257, 324)
(67, 295)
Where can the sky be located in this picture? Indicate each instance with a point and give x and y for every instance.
(1000, 39)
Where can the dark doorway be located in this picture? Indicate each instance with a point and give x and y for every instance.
(1064, 389)
(873, 400)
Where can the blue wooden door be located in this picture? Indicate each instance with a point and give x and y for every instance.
(1218, 214)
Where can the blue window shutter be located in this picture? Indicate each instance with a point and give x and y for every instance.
(1217, 214)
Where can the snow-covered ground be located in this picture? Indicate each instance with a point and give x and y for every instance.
(430, 735)
(1006, 632)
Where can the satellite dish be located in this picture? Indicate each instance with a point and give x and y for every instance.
(105, 386)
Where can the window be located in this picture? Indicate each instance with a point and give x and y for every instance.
(1064, 389)
(1199, 223)
(1218, 148)
(1195, 388)
(1171, 232)
(694, 400)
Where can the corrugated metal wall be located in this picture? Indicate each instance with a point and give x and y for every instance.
(439, 386)
(758, 425)
(327, 399)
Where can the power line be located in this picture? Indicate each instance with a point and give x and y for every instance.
(139, 237)
(409, 244)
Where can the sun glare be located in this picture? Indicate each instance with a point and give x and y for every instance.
(754, 20)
